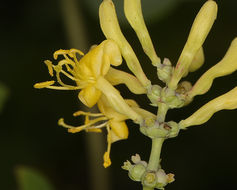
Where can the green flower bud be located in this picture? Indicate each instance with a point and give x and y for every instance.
(163, 179)
(171, 99)
(154, 94)
(154, 129)
(136, 172)
(149, 179)
(164, 70)
(127, 165)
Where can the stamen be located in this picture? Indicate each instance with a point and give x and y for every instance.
(45, 84)
(69, 76)
(67, 64)
(58, 69)
(63, 87)
(76, 51)
(60, 52)
(73, 54)
(107, 161)
(50, 67)
(72, 129)
(91, 122)
(78, 113)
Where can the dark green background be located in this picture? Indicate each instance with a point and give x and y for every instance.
(202, 157)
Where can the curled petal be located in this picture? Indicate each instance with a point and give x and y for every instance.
(116, 77)
(112, 50)
(227, 101)
(89, 96)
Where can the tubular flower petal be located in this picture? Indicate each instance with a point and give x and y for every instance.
(133, 13)
(113, 121)
(226, 66)
(83, 72)
(226, 101)
(199, 31)
(111, 29)
(116, 101)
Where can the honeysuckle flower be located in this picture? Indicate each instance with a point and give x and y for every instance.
(89, 74)
(225, 67)
(199, 31)
(111, 29)
(226, 101)
(85, 71)
(113, 121)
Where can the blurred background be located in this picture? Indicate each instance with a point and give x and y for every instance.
(32, 144)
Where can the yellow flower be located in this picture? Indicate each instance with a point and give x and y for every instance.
(113, 121)
(85, 71)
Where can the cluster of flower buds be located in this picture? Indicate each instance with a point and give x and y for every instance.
(154, 129)
(138, 171)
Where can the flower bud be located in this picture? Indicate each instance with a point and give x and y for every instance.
(164, 70)
(226, 66)
(133, 13)
(226, 101)
(111, 29)
(154, 94)
(197, 61)
(136, 172)
(199, 31)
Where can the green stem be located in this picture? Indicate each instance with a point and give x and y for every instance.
(155, 154)
(154, 160)
(162, 110)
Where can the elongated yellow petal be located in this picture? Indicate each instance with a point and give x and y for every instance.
(111, 29)
(116, 77)
(89, 96)
(199, 31)
(116, 101)
(226, 101)
(133, 13)
(226, 66)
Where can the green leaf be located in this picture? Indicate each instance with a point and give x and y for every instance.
(31, 179)
(4, 92)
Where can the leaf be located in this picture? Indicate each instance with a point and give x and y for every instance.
(31, 179)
